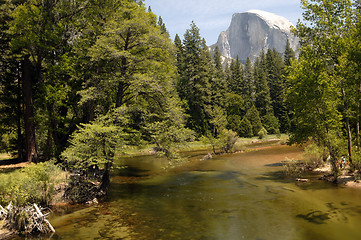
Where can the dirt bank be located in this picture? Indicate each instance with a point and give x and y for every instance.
(347, 177)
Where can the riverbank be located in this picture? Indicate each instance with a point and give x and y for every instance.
(240, 145)
(346, 177)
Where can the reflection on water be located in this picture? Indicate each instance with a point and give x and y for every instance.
(239, 196)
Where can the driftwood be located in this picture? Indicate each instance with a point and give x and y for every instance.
(26, 220)
(302, 180)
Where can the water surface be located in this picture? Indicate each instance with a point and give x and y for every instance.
(235, 196)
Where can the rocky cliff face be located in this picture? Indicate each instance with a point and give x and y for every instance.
(253, 31)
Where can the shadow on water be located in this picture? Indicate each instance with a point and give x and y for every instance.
(129, 171)
(277, 176)
(312, 184)
(187, 182)
(316, 217)
(280, 164)
(338, 212)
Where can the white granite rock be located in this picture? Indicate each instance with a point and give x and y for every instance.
(252, 31)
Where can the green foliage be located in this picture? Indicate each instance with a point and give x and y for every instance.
(271, 124)
(253, 116)
(169, 133)
(356, 158)
(262, 85)
(289, 54)
(312, 95)
(248, 86)
(93, 144)
(134, 56)
(33, 184)
(226, 140)
(218, 119)
(234, 104)
(277, 84)
(245, 128)
(315, 154)
(262, 133)
(236, 77)
(197, 84)
(234, 123)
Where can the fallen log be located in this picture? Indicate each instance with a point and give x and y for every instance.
(3, 212)
(43, 217)
(26, 220)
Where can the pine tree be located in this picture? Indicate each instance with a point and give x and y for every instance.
(194, 83)
(235, 82)
(38, 32)
(245, 128)
(218, 81)
(162, 26)
(234, 108)
(289, 54)
(248, 84)
(11, 129)
(262, 97)
(253, 116)
(277, 86)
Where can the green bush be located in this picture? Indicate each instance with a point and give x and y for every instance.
(356, 161)
(245, 128)
(227, 139)
(262, 133)
(234, 123)
(314, 154)
(271, 124)
(32, 184)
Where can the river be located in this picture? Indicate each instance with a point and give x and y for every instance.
(229, 197)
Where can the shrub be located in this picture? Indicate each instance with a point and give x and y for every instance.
(262, 133)
(227, 139)
(32, 184)
(234, 123)
(314, 154)
(356, 161)
(271, 124)
(245, 128)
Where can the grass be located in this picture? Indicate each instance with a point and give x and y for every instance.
(34, 183)
(5, 156)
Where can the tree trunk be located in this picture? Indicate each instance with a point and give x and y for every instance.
(105, 178)
(349, 140)
(30, 144)
(358, 128)
(348, 128)
(20, 144)
(358, 120)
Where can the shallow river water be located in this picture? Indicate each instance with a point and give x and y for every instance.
(229, 197)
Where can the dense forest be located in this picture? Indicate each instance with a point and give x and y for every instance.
(110, 68)
(80, 80)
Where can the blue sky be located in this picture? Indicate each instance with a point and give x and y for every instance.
(214, 16)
